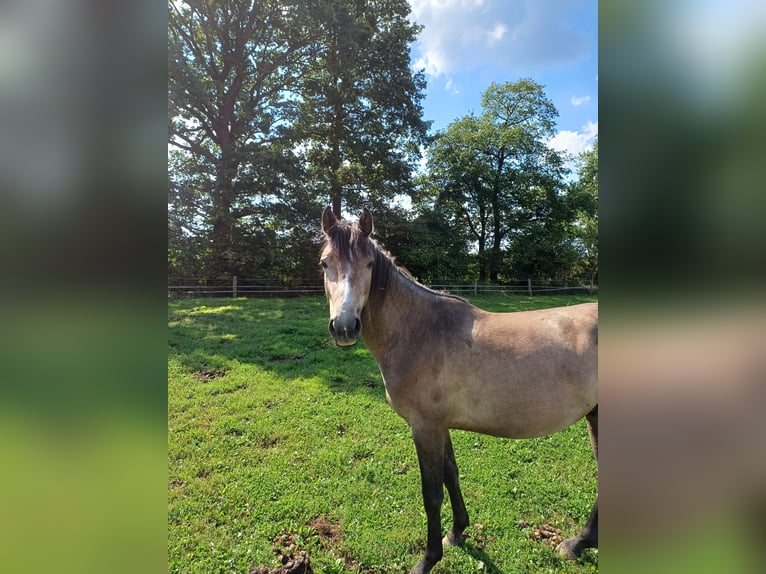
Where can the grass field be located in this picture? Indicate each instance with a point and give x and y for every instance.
(280, 442)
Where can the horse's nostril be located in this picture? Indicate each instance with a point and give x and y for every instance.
(345, 330)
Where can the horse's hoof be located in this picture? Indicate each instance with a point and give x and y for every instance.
(451, 540)
(565, 549)
(422, 567)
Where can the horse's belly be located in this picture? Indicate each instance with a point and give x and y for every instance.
(516, 410)
(525, 426)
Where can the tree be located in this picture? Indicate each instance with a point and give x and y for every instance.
(425, 244)
(495, 172)
(458, 181)
(584, 199)
(231, 67)
(275, 106)
(188, 194)
(361, 121)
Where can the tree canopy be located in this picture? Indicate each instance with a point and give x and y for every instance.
(360, 120)
(277, 108)
(497, 178)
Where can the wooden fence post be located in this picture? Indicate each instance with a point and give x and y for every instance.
(529, 285)
(234, 286)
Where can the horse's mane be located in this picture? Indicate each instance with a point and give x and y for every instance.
(347, 239)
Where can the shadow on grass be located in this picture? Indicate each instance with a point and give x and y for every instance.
(480, 556)
(588, 559)
(287, 340)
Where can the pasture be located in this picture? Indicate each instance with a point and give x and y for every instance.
(280, 443)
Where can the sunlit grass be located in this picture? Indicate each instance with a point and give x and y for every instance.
(271, 426)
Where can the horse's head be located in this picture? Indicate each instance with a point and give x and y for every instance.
(347, 259)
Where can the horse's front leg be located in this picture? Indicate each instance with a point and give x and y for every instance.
(430, 446)
(452, 482)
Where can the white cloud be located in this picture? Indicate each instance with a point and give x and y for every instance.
(579, 101)
(451, 88)
(497, 33)
(519, 35)
(575, 142)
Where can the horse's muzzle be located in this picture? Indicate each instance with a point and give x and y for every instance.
(345, 331)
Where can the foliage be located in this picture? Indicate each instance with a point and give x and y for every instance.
(360, 116)
(270, 427)
(277, 108)
(584, 200)
(231, 69)
(274, 105)
(499, 180)
(427, 246)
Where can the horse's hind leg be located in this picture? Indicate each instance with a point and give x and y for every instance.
(588, 537)
(451, 481)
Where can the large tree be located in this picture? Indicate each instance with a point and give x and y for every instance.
(495, 172)
(361, 120)
(233, 66)
(277, 106)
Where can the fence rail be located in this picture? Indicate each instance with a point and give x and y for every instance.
(273, 289)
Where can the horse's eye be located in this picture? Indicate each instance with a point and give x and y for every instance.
(369, 265)
(323, 264)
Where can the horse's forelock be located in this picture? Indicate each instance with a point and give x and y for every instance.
(349, 242)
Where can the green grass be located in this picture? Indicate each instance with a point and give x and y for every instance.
(270, 426)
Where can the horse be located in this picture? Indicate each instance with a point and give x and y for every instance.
(447, 364)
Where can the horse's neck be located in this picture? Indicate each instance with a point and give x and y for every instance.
(385, 319)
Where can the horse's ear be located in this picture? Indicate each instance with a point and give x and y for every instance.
(328, 220)
(365, 222)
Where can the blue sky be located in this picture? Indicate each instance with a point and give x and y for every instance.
(468, 44)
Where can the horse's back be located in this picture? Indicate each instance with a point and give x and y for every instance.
(541, 331)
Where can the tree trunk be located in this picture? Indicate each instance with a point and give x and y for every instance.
(222, 217)
(221, 235)
(336, 186)
(494, 259)
(482, 242)
(336, 202)
(497, 237)
(482, 261)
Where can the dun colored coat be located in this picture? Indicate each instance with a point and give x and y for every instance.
(449, 365)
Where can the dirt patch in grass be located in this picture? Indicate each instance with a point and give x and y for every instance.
(205, 375)
(331, 536)
(329, 532)
(291, 558)
(295, 563)
(266, 441)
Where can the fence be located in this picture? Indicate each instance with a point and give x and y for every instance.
(265, 288)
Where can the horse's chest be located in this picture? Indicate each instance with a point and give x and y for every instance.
(414, 395)
(397, 398)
